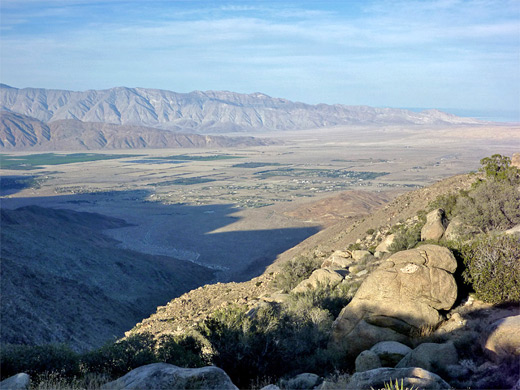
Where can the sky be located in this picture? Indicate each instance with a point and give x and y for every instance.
(456, 54)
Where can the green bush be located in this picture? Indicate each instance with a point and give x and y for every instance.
(493, 267)
(183, 351)
(116, 359)
(37, 360)
(447, 203)
(491, 205)
(407, 237)
(270, 342)
(294, 271)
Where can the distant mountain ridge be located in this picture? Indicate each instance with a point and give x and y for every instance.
(22, 132)
(203, 112)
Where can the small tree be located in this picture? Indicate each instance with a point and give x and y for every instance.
(493, 267)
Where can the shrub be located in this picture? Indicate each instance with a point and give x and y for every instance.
(36, 360)
(491, 205)
(116, 359)
(408, 236)
(493, 267)
(181, 351)
(446, 202)
(271, 341)
(294, 271)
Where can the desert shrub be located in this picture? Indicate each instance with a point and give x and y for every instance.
(185, 351)
(493, 267)
(294, 271)
(408, 236)
(325, 297)
(116, 359)
(39, 359)
(270, 342)
(491, 205)
(446, 202)
(370, 231)
(498, 168)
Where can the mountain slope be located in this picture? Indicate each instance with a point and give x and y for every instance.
(211, 111)
(64, 281)
(22, 132)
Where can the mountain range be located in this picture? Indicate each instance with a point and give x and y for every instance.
(22, 132)
(195, 112)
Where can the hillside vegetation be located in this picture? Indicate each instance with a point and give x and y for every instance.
(320, 311)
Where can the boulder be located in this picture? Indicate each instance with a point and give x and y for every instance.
(20, 381)
(413, 376)
(385, 244)
(513, 230)
(367, 360)
(338, 259)
(390, 352)
(402, 295)
(431, 357)
(502, 338)
(452, 232)
(305, 381)
(435, 226)
(515, 160)
(322, 276)
(360, 255)
(159, 376)
(270, 387)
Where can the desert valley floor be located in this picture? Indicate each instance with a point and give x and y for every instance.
(237, 210)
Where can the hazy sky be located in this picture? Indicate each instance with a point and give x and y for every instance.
(443, 53)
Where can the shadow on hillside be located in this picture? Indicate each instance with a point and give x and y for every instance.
(200, 234)
(13, 184)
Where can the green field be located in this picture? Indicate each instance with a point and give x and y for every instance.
(37, 161)
(255, 165)
(185, 181)
(184, 157)
(328, 173)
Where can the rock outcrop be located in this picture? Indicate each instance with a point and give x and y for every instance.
(404, 294)
(367, 360)
(502, 338)
(416, 377)
(384, 246)
(167, 376)
(431, 357)
(390, 352)
(20, 381)
(323, 276)
(435, 226)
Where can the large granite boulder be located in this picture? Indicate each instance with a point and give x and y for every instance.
(338, 259)
(322, 276)
(431, 357)
(435, 226)
(20, 381)
(163, 376)
(367, 360)
(305, 381)
(454, 229)
(390, 352)
(404, 294)
(414, 376)
(384, 246)
(502, 338)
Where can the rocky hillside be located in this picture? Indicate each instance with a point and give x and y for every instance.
(399, 308)
(63, 281)
(203, 112)
(22, 132)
